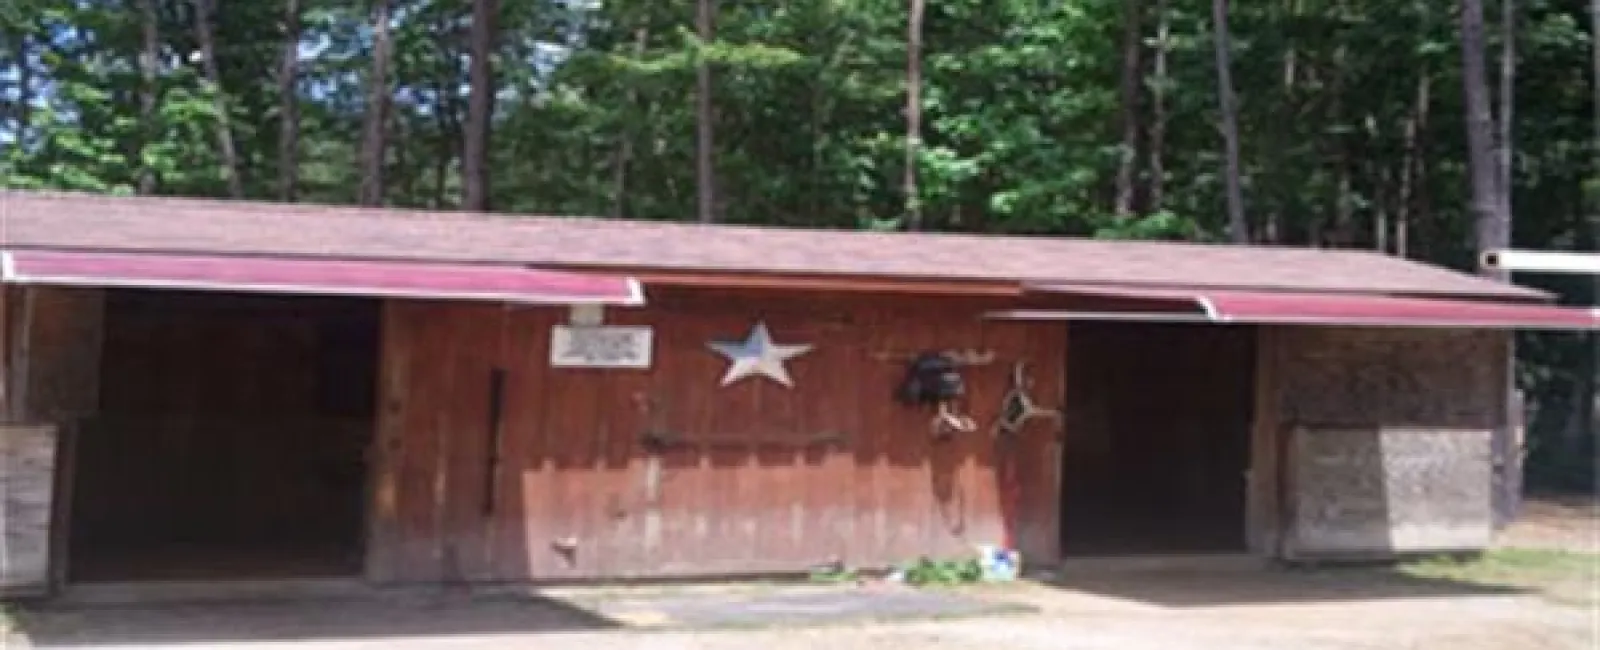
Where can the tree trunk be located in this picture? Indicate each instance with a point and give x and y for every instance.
(1492, 226)
(1592, 408)
(404, 179)
(1132, 80)
(374, 136)
(1158, 110)
(1508, 95)
(289, 111)
(1238, 228)
(149, 62)
(1342, 234)
(913, 206)
(1284, 185)
(1491, 232)
(619, 201)
(705, 172)
(1410, 164)
(445, 111)
(208, 51)
(480, 108)
(24, 88)
(21, 112)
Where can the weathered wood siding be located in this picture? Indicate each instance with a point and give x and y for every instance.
(51, 363)
(752, 477)
(55, 351)
(27, 490)
(1372, 442)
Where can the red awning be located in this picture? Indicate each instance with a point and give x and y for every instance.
(1092, 302)
(315, 276)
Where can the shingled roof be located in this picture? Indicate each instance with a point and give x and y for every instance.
(76, 221)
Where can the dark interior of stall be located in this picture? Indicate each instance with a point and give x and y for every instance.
(1158, 438)
(230, 438)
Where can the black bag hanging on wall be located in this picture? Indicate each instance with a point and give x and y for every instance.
(932, 378)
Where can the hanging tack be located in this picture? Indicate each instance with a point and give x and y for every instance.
(947, 421)
(1018, 407)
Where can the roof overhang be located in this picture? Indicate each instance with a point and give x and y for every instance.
(321, 276)
(1096, 302)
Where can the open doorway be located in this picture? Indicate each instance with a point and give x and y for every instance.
(1159, 441)
(230, 439)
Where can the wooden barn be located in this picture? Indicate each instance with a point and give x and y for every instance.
(208, 390)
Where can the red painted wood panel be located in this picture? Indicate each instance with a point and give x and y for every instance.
(747, 480)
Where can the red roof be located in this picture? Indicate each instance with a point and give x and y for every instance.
(212, 227)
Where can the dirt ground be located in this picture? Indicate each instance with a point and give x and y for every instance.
(1122, 612)
(1224, 606)
(1566, 522)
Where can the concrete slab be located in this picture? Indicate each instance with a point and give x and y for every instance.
(796, 606)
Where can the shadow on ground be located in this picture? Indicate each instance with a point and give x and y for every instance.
(365, 618)
(510, 612)
(1214, 587)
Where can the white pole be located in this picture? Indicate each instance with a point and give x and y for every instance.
(1542, 261)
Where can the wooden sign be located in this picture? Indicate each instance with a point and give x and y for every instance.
(600, 347)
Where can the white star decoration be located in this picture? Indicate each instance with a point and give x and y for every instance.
(758, 355)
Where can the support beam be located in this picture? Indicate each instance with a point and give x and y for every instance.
(1542, 261)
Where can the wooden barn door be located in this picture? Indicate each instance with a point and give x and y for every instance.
(433, 485)
(495, 466)
(481, 448)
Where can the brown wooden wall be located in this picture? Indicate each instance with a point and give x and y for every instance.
(756, 477)
(50, 358)
(54, 338)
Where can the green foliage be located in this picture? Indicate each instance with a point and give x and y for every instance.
(927, 572)
(834, 575)
(1563, 576)
(1159, 225)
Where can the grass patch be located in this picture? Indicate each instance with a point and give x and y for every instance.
(1563, 576)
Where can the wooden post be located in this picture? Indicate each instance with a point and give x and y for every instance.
(5, 354)
(1263, 526)
(52, 360)
(21, 340)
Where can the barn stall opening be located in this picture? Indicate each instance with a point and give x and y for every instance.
(1159, 445)
(229, 440)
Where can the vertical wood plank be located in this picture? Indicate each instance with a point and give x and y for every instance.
(1038, 448)
(526, 512)
(422, 483)
(475, 353)
(1262, 512)
(385, 537)
(7, 312)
